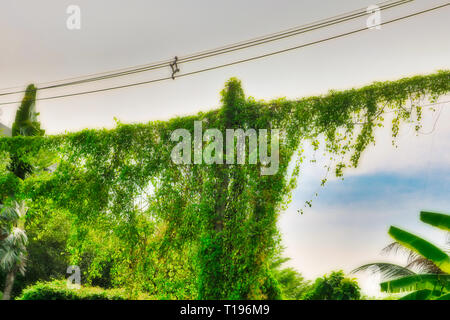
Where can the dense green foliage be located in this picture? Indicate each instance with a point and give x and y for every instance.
(13, 239)
(139, 221)
(58, 290)
(334, 287)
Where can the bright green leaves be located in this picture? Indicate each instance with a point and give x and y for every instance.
(334, 287)
(431, 285)
(438, 220)
(417, 282)
(417, 295)
(444, 297)
(422, 247)
(433, 282)
(186, 231)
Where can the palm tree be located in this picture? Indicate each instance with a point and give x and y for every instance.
(432, 264)
(292, 284)
(13, 242)
(13, 239)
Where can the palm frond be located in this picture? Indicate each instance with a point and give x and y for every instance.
(386, 270)
(21, 208)
(21, 263)
(8, 259)
(394, 248)
(397, 248)
(423, 265)
(8, 214)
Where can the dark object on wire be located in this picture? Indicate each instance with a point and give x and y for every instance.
(174, 67)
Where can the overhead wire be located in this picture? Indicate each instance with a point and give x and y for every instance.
(238, 61)
(219, 51)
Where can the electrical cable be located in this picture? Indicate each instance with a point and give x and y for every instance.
(238, 61)
(227, 49)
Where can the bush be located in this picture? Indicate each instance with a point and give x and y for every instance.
(58, 290)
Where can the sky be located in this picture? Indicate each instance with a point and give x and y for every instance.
(347, 225)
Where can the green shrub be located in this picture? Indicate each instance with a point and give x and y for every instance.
(334, 287)
(58, 290)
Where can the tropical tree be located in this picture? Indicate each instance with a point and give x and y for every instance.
(211, 230)
(13, 243)
(13, 239)
(334, 287)
(292, 284)
(428, 267)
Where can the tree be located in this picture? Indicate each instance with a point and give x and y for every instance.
(13, 242)
(293, 285)
(432, 263)
(334, 287)
(205, 231)
(25, 124)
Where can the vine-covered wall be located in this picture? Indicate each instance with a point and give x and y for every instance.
(203, 231)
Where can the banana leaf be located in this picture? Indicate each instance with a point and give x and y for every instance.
(417, 295)
(438, 220)
(432, 282)
(444, 297)
(422, 247)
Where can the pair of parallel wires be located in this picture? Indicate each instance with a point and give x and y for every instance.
(220, 51)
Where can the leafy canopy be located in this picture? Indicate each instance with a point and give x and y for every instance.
(198, 231)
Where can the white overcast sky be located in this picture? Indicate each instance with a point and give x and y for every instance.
(346, 227)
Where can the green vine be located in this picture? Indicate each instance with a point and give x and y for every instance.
(199, 231)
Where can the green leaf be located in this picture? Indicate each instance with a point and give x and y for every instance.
(444, 297)
(438, 220)
(422, 247)
(417, 282)
(417, 295)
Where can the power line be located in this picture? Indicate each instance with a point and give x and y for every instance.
(238, 61)
(301, 31)
(167, 62)
(226, 49)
